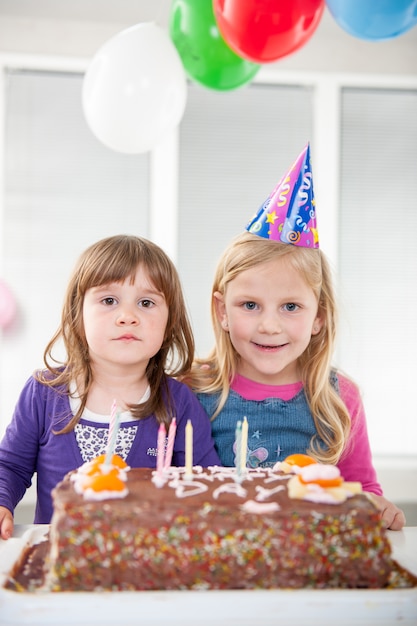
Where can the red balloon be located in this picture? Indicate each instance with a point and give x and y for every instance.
(263, 31)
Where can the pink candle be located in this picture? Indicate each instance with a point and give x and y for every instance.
(112, 423)
(170, 446)
(160, 450)
(113, 428)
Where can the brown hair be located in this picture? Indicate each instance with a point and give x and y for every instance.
(113, 260)
(214, 374)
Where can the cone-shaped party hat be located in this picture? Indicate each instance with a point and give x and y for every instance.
(289, 212)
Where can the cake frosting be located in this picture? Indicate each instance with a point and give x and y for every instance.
(216, 530)
(102, 479)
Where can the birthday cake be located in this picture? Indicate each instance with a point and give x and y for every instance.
(285, 527)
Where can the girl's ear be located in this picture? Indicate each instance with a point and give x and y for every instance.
(220, 308)
(317, 325)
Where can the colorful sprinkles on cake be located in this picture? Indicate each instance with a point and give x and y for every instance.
(212, 558)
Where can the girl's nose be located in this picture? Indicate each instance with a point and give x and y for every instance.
(270, 324)
(127, 317)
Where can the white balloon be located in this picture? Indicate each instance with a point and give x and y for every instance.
(135, 89)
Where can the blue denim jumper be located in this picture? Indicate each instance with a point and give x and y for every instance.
(277, 428)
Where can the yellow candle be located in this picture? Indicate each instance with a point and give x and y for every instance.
(244, 444)
(189, 449)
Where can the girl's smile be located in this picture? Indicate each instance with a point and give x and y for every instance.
(268, 348)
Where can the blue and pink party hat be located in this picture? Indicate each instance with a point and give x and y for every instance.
(289, 213)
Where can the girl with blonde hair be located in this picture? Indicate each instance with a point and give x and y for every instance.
(274, 319)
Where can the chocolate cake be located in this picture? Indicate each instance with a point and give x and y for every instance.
(219, 530)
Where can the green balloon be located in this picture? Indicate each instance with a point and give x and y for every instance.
(206, 57)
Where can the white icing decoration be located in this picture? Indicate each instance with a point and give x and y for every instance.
(264, 494)
(185, 488)
(158, 480)
(78, 485)
(250, 474)
(274, 477)
(322, 496)
(206, 476)
(234, 487)
(222, 473)
(287, 468)
(90, 494)
(260, 508)
(317, 471)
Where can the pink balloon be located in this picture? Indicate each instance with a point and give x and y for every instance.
(7, 305)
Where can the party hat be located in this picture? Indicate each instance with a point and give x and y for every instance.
(289, 212)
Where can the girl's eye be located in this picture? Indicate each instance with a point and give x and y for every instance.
(146, 304)
(290, 306)
(250, 306)
(109, 301)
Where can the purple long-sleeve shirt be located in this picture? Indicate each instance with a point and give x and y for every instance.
(30, 445)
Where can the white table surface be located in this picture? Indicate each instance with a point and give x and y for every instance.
(344, 607)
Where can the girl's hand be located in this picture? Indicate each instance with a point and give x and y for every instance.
(6, 523)
(393, 518)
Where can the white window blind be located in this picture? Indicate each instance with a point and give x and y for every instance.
(378, 260)
(234, 147)
(63, 191)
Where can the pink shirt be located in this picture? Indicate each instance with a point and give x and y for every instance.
(356, 461)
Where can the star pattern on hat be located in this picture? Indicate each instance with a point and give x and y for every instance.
(271, 217)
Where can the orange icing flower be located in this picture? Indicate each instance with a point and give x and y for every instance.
(326, 476)
(116, 460)
(98, 480)
(301, 460)
(98, 465)
(105, 482)
(323, 482)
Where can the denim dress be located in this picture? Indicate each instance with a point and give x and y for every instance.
(277, 428)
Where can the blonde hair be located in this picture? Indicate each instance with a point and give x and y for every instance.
(115, 259)
(214, 374)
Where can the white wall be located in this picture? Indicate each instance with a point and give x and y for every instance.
(330, 49)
